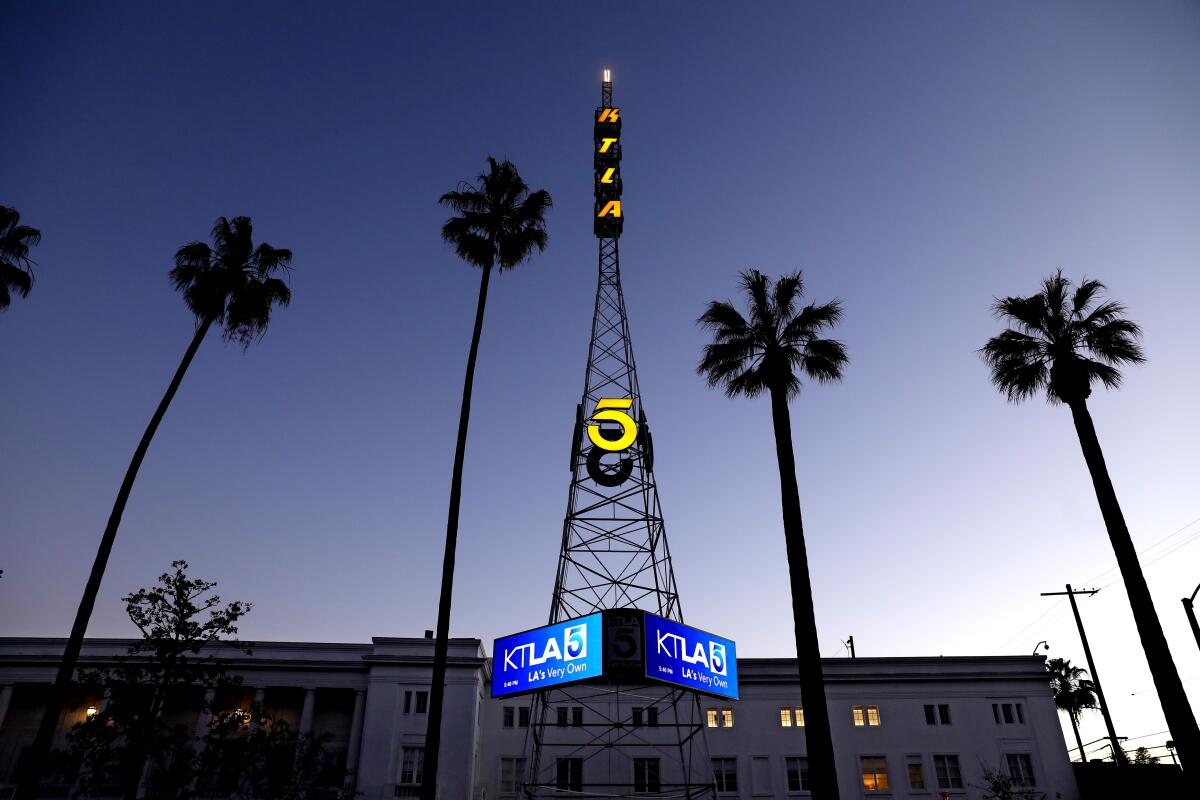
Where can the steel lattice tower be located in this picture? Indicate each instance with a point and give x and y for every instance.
(613, 739)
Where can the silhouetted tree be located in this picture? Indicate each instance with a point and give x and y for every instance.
(16, 268)
(1072, 693)
(768, 353)
(1061, 343)
(498, 223)
(129, 734)
(231, 284)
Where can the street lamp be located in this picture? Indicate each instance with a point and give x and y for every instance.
(1037, 646)
(1190, 608)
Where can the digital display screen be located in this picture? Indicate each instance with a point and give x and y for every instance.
(551, 656)
(690, 658)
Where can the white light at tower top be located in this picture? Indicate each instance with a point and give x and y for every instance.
(608, 76)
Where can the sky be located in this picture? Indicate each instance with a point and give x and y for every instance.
(914, 160)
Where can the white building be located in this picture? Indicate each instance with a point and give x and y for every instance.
(902, 727)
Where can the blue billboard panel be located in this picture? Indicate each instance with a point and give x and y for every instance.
(691, 658)
(543, 657)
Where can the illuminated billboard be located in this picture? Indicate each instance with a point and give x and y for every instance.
(551, 656)
(690, 658)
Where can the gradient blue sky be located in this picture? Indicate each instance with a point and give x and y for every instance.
(913, 159)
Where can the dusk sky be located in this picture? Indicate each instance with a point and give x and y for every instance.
(914, 160)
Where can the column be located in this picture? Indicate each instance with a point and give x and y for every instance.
(203, 721)
(352, 749)
(260, 696)
(5, 699)
(306, 711)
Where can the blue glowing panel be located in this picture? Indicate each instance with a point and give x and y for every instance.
(692, 658)
(551, 656)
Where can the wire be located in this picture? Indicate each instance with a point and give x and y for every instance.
(1145, 550)
(1039, 617)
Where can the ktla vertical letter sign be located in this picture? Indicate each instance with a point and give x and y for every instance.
(608, 219)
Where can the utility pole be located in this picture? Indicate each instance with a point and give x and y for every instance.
(1190, 609)
(850, 642)
(1118, 752)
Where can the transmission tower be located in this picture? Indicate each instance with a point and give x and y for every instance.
(627, 735)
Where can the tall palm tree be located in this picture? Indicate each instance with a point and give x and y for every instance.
(16, 268)
(1073, 693)
(768, 353)
(498, 223)
(231, 284)
(1062, 342)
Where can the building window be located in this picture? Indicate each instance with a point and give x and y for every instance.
(916, 773)
(512, 775)
(569, 774)
(874, 773)
(407, 701)
(577, 716)
(562, 716)
(422, 702)
(725, 774)
(949, 776)
(646, 776)
(523, 716)
(720, 717)
(937, 715)
(508, 716)
(652, 717)
(1020, 768)
(797, 773)
(1008, 713)
(637, 717)
(412, 765)
(865, 715)
(791, 717)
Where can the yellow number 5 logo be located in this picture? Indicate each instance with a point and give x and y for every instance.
(607, 410)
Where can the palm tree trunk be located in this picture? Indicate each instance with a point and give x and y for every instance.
(437, 691)
(817, 734)
(66, 669)
(1171, 695)
(1078, 738)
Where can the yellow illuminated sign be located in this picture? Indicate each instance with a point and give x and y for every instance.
(607, 143)
(611, 209)
(607, 409)
(608, 175)
(609, 115)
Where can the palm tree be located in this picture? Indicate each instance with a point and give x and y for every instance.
(16, 268)
(498, 222)
(1072, 693)
(231, 284)
(1060, 343)
(766, 354)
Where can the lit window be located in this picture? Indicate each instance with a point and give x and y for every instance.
(412, 765)
(508, 716)
(799, 716)
(785, 718)
(873, 716)
(646, 775)
(719, 717)
(725, 774)
(512, 775)
(916, 773)
(569, 774)
(860, 718)
(949, 776)
(874, 773)
(1020, 767)
(797, 774)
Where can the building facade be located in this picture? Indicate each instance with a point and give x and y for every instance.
(902, 727)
